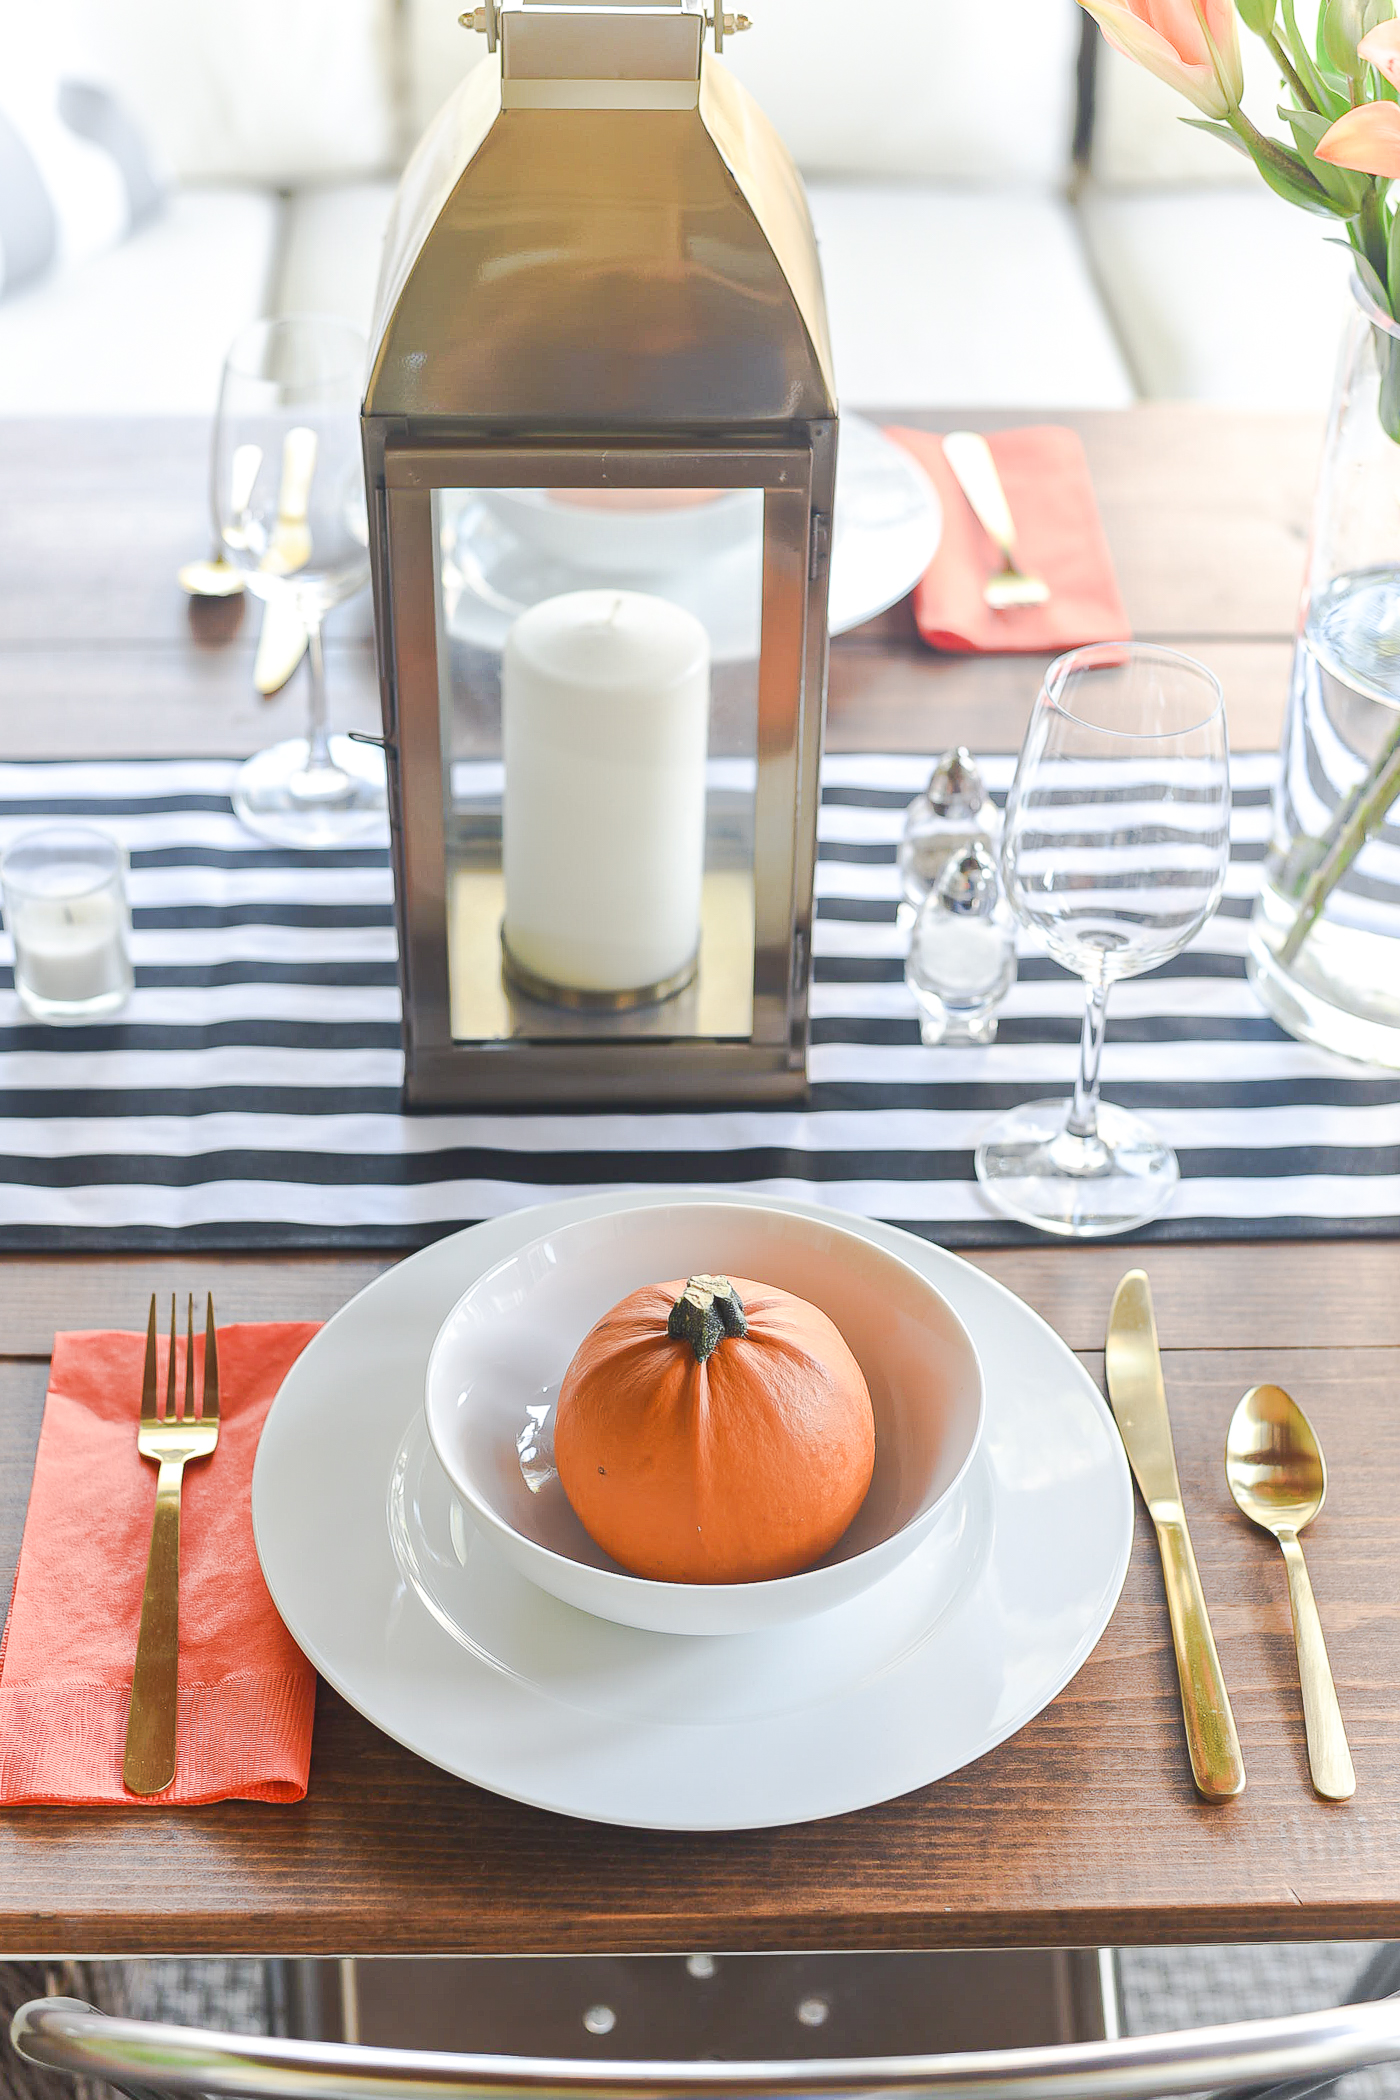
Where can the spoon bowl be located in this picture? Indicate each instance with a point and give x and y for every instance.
(1273, 1461)
(1278, 1477)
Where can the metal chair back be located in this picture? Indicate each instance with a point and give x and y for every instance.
(147, 2059)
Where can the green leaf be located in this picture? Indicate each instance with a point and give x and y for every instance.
(1378, 11)
(1328, 93)
(1369, 276)
(1342, 26)
(1217, 131)
(1393, 259)
(1297, 188)
(1342, 185)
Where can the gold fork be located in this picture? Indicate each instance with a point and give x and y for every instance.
(171, 1439)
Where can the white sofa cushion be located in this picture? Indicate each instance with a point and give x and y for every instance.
(905, 88)
(331, 246)
(74, 174)
(144, 328)
(962, 298)
(438, 53)
(1220, 295)
(917, 88)
(938, 296)
(273, 91)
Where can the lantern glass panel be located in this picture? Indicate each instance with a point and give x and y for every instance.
(598, 674)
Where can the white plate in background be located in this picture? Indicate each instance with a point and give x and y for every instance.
(887, 528)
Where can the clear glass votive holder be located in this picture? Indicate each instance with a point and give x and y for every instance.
(64, 895)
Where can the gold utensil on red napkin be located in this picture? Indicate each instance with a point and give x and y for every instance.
(171, 1440)
(1278, 1476)
(970, 457)
(1134, 1367)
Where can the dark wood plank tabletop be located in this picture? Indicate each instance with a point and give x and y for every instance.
(1084, 1828)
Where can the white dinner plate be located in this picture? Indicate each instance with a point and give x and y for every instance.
(887, 527)
(417, 1621)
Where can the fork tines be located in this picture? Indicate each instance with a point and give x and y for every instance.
(183, 1408)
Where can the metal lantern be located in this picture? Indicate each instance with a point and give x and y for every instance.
(600, 443)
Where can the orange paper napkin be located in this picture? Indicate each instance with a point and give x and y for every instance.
(247, 1693)
(1058, 536)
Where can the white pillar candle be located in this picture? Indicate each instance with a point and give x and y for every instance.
(605, 697)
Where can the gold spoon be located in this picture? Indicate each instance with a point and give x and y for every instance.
(1278, 1477)
(218, 577)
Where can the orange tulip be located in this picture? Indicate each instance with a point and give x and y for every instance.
(1380, 47)
(1365, 139)
(1194, 45)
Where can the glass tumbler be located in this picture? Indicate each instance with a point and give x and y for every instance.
(69, 923)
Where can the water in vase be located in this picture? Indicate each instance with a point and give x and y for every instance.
(1338, 983)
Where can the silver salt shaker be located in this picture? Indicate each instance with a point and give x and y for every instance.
(952, 809)
(962, 957)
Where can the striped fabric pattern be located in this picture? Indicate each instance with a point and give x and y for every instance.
(75, 176)
(248, 1096)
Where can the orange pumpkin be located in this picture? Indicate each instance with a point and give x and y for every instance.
(716, 1432)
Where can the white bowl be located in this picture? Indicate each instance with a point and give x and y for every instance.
(608, 541)
(501, 1354)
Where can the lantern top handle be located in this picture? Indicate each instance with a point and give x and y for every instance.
(485, 20)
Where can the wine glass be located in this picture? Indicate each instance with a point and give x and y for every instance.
(1114, 852)
(289, 504)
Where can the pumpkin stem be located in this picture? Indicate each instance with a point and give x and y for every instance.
(706, 1311)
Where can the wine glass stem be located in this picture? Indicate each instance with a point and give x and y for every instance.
(1084, 1109)
(318, 753)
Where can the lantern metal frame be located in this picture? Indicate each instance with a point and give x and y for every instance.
(657, 225)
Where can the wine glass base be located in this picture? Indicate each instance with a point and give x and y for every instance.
(1033, 1169)
(278, 798)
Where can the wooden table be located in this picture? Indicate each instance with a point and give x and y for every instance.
(1084, 1828)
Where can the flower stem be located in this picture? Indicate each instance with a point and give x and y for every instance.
(1263, 148)
(1305, 64)
(1358, 818)
(1371, 224)
(1290, 73)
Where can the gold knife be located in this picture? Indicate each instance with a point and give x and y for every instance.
(281, 644)
(1135, 1390)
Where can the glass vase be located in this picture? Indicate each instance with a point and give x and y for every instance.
(1324, 944)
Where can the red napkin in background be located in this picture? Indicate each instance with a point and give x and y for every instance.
(247, 1693)
(1058, 536)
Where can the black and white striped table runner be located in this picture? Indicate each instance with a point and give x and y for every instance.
(248, 1096)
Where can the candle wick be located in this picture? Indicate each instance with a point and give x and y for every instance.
(615, 613)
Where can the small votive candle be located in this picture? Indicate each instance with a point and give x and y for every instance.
(606, 703)
(69, 923)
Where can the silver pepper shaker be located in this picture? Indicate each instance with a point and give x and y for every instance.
(954, 808)
(962, 957)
